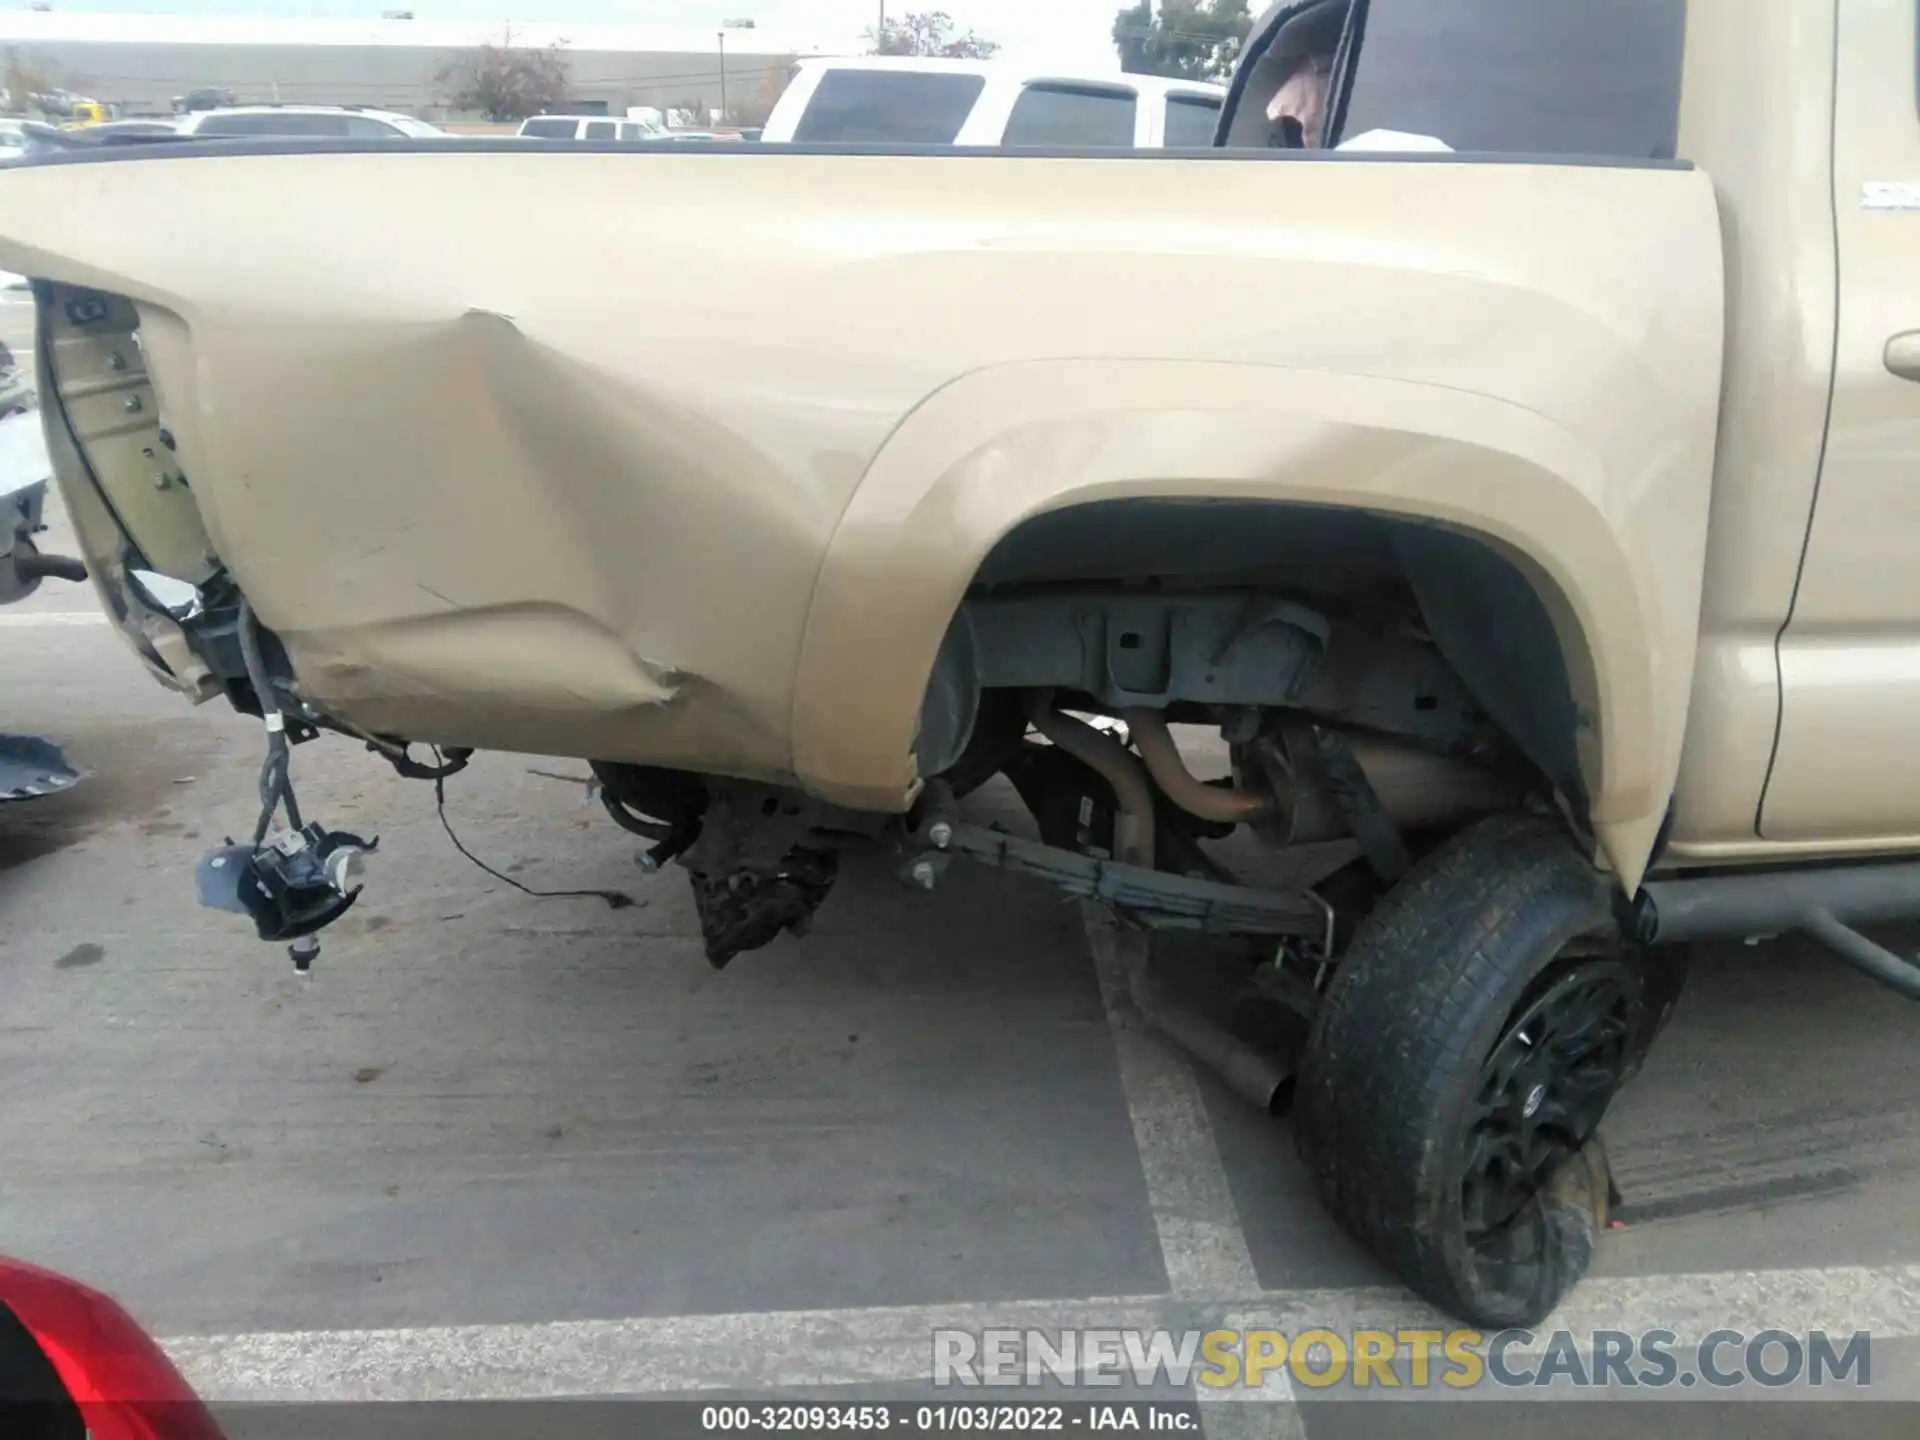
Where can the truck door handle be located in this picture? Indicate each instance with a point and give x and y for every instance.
(1903, 355)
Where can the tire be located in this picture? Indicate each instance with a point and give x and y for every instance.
(1416, 1110)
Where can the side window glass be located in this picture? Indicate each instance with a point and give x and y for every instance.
(1191, 121)
(1072, 115)
(888, 107)
(601, 130)
(328, 126)
(233, 125)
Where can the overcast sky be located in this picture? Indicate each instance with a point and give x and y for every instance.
(1056, 26)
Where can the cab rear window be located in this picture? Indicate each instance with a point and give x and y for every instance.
(550, 129)
(1530, 77)
(888, 108)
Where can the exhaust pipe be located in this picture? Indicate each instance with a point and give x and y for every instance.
(1416, 788)
(1209, 802)
(1250, 1073)
(1133, 825)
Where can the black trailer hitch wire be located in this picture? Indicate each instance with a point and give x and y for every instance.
(453, 763)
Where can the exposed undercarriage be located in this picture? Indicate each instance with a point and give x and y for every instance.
(1351, 731)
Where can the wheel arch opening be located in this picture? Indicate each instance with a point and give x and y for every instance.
(1503, 626)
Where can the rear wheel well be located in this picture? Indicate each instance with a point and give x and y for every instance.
(1376, 621)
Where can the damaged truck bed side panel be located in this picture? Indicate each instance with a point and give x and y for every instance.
(635, 503)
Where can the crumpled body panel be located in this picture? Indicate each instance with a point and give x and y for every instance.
(687, 459)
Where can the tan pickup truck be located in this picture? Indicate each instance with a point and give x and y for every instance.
(1534, 520)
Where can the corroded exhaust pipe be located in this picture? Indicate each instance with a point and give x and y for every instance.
(1209, 802)
(1133, 826)
(1416, 788)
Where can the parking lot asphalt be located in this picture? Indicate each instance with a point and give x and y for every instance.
(507, 1146)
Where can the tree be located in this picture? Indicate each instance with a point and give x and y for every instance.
(931, 32)
(507, 81)
(773, 84)
(1185, 40)
(23, 80)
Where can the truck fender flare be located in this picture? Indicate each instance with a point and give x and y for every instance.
(1004, 444)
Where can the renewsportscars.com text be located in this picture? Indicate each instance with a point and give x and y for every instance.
(1226, 1360)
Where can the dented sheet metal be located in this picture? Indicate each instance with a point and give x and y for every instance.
(688, 460)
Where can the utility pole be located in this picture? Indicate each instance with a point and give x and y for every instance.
(880, 35)
(723, 77)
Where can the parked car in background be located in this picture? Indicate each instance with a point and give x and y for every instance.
(111, 130)
(310, 122)
(73, 1362)
(31, 766)
(207, 98)
(588, 127)
(88, 113)
(912, 101)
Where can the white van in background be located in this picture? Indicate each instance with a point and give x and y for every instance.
(888, 101)
(588, 127)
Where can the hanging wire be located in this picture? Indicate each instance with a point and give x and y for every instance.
(616, 899)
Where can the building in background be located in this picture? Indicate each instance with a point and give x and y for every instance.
(139, 63)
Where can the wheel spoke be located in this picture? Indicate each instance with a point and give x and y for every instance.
(1582, 1089)
(1507, 1058)
(1489, 1152)
(1543, 1088)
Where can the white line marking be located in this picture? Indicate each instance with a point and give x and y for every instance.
(681, 1354)
(689, 1354)
(40, 619)
(1201, 1239)
(1208, 1265)
(1200, 1236)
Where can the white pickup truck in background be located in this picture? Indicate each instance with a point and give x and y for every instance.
(900, 101)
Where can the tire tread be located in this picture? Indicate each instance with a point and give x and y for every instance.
(1432, 974)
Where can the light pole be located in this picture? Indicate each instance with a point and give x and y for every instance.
(880, 35)
(723, 77)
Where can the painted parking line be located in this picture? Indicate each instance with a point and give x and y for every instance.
(1202, 1241)
(1211, 1282)
(1201, 1238)
(45, 619)
(788, 1349)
